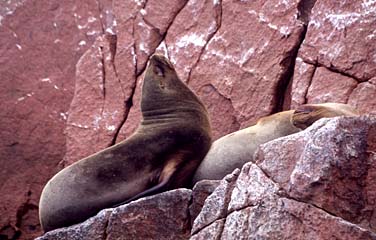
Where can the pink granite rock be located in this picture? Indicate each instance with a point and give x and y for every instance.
(318, 84)
(327, 86)
(98, 107)
(329, 165)
(237, 56)
(151, 25)
(163, 216)
(301, 80)
(337, 58)
(341, 36)
(200, 192)
(134, 116)
(363, 96)
(289, 219)
(40, 44)
(186, 40)
(247, 60)
(308, 184)
(216, 204)
(260, 210)
(213, 231)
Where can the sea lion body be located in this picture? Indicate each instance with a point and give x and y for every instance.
(235, 149)
(163, 153)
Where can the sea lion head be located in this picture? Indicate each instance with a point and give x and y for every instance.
(163, 90)
(305, 115)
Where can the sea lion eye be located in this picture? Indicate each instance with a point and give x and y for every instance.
(159, 71)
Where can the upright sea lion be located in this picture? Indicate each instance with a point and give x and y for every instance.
(235, 149)
(170, 142)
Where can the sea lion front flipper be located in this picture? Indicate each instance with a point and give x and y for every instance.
(164, 179)
(160, 187)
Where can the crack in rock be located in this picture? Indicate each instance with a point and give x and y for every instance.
(287, 65)
(218, 26)
(335, 70)
(106, 228)
(304, 12)
(129, 101)
(228, 184)
(162, 38)
(309, 84)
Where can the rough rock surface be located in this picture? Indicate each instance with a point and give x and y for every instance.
(167, 215)
(106, 75)
(337, 59)
(91, 107)
(245, 59)
(330, 165)
(200, 192)
(225, 68)
(316, 184)
(163, 216)
(40, 44)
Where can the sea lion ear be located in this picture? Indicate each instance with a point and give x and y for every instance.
(159, 71)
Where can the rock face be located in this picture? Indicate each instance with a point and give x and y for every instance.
(316, 184)
(107, 73)
(40, 44)
(336, 61)
(71, 74)
(330, 166)
(164, 216)
(228, 64)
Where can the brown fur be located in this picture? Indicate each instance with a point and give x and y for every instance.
(164, 152)
(305, 115)
(235, 149)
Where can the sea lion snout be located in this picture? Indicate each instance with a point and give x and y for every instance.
(161, 61)
(304, 116)
(160, 71)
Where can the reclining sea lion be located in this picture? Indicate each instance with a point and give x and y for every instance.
(235, 149)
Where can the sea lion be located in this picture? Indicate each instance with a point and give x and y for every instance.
(170, 142)
(235, 149)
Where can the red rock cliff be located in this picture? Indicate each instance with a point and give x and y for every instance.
(71, 74)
